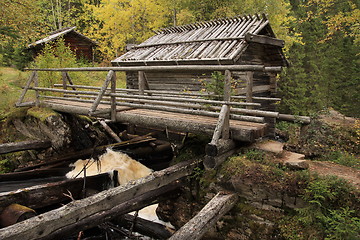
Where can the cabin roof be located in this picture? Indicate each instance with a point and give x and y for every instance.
(220, 40)
(59, 33)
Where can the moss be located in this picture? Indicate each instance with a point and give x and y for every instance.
(41, 113)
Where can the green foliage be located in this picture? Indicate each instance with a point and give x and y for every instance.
(325, 66)
(342, 224)
(342, 158)
(59, 55)
(216, 84)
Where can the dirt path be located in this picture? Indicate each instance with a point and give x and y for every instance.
(328, 168)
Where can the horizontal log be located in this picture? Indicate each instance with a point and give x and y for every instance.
(180, 99)
(55, 222)
(206, 218)
(24, 145)
(202, 68)
(295, 118)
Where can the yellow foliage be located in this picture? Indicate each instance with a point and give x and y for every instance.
(126, 21)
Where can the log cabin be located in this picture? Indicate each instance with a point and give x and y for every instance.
(242, 40)
(82, 46)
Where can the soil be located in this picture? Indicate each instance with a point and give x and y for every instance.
(328, 168)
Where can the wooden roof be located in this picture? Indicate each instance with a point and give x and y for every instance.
(220, 40)
(59, 33)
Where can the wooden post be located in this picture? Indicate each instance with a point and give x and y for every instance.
(249, 88)
(206, 218)
(227, 97)
(102, 92)
(222, 124)
(141, 79)
(227, 86)
(36, 84)
(113, 98)
(64, 77)
(31, 79)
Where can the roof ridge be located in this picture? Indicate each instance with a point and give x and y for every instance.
(61, 30)
(214, 22)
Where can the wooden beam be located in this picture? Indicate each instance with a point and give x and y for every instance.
(54, 222)
(206, 218)
(204, 68)
(102, 91)
(24, 145)
(253, 38)
(113, 98)
(33, 75)
(141, 82)
(249, 87)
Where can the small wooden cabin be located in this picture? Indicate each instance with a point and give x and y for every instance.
(242, 40)
(81, 45)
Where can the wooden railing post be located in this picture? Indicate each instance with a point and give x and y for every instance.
(28, 83)
(249, 88)
(227, 97)
(141, 82)
(36, 84)
(101, 92)
(64, 78)
(113, 98)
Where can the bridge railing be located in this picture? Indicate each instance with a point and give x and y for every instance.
(240, 107)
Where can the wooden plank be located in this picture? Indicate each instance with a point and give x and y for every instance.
(24, 145)
(44, 225)
(249, 87)
(206, 218)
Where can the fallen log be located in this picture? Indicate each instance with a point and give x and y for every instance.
(80, 214)
(206, 218)
(24, 145)
(52, 193)
(145, 227)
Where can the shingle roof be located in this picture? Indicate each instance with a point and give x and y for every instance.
(57, 34)
(218, 40)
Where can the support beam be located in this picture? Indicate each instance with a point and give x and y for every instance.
(206, 218)
(113, 98)
(141, 79)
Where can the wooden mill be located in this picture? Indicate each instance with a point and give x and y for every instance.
(165, 78)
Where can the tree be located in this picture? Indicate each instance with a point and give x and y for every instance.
(126, 21)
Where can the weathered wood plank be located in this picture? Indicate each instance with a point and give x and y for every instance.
(206, 218)
(53, 222)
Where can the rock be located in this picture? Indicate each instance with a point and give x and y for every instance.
(297, 165)
(270, 146)
(294, 161)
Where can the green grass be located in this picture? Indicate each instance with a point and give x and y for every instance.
(11, 81)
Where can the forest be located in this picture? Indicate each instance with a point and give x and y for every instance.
(322, 38)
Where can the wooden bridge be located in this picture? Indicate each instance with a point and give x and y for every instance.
(226, 117)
